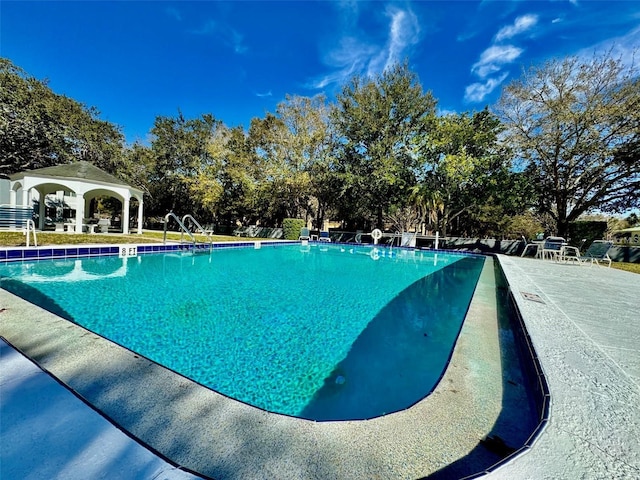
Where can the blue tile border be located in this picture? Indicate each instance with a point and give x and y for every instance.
(14, 254)
(9, 254)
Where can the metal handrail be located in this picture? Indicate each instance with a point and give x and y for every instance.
(199, 227)
(182, 226)
(31, 226)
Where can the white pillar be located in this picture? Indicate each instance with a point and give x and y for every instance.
(12, 197)
(125, 216)
(87, 207)
(25, 197)
(41, 210)
(140, 210)
(79, 212)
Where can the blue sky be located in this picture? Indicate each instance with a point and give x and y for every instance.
(237, 60)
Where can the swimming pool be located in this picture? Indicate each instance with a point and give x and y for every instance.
(325, 333)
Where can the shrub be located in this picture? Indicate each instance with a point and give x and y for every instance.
(590, 230)
(291, 228)
(527, 225)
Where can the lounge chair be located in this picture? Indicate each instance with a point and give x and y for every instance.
(304, 234)
(597, 252)
(242, 231)
(533, 247)
(408, 239)
(552, 248)
(324, 237)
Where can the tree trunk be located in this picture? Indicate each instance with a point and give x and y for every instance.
(563, 227)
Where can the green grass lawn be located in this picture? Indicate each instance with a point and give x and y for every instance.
(629, 267)
(18, 239)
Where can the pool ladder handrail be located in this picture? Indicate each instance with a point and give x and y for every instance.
(183, 228)
(198, 228)
(30, 229)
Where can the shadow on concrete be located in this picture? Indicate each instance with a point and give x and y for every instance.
(47, 432)
(34, 296)
(520, 415)
(401, 355)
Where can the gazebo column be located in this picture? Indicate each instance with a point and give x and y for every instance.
(87, 207)
(42, 208)
(140, 210)
(79, 212)
(12, 197)
(125, 216)
(25, 197)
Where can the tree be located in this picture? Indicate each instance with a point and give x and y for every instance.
(39, 128)
(575, 125)
(465, 169)
(287, 146)
(180, 151)
(226, 186)
(376, 121)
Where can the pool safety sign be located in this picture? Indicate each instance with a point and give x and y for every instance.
(125, 251)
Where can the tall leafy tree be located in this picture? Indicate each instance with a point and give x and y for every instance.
(575, 125)
(376, 121)
(180, 151)
(310, 141)
(39, 128)
(465, 169)
(287, 146)
(226, 185)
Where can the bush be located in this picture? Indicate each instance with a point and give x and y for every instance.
(526, 225)
(291, 228)
(589, 230)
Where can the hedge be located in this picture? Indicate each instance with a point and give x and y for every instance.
(291, 228)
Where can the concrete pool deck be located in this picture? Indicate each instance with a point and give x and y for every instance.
(585, 328)
(586, 334)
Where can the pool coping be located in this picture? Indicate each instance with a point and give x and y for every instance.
(386, 419)
(584, 328)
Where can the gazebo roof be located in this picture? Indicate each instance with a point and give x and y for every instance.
(83, 170)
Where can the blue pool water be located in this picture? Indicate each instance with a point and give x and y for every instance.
(319, 332)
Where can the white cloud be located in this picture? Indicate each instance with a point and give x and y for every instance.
(476, 92)
(261, 95)
(493, 58)
(404, 32)
(353, 55)
(208, 28)
(228, 35)
(520, 25)
(348, 59)
(624, 47)
(492, 62)
(173, 13)
(236, 42)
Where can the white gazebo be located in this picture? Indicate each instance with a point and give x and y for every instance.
(83, 180)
